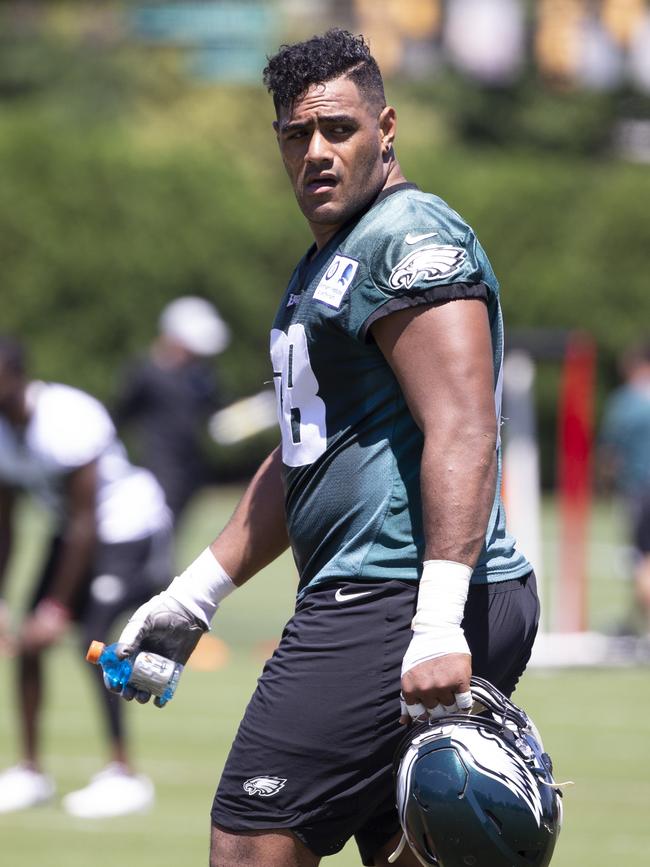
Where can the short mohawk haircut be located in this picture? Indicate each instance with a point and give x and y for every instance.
(292, 71)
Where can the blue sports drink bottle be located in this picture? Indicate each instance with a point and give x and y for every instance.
(148, 671)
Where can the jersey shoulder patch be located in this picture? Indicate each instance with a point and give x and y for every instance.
(423, 242)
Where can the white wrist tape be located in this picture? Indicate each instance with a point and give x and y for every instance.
(441, 606)
(202, 586)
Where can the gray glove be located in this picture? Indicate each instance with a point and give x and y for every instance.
(163, 626)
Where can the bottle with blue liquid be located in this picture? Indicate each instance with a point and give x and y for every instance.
(148, 671)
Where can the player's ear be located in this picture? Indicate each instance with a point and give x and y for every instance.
(387, 127)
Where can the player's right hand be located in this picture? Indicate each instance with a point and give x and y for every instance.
(164, 626)
(437, 687)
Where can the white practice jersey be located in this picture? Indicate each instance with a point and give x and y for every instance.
(66, 430)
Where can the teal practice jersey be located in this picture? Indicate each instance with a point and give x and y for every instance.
(350, 448)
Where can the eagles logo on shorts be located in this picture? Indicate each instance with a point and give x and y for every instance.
(265, 787)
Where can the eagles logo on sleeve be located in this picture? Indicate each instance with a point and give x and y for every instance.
(433, 262)
(264, 786)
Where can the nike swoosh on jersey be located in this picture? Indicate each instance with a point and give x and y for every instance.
(415, 239)
(343, 597)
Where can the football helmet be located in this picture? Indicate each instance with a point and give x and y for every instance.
(477, 789)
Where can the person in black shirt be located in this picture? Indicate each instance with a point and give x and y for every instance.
(167, 396)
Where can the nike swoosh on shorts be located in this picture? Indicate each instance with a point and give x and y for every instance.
(340, 596)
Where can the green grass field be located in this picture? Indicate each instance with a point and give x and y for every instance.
(595, 725)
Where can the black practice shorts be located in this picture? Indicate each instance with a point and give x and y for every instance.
(641, 525)
(121, 577)
(314, 751)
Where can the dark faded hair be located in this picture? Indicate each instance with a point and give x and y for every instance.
(12, 354)
(296, 67)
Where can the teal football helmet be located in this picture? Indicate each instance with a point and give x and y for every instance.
(477, 789)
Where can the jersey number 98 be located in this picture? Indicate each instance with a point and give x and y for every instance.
(300, 411)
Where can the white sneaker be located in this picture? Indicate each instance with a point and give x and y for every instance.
(111, 792)
(21, 787)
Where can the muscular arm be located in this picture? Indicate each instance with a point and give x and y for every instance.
(442, 358)
(257, 532)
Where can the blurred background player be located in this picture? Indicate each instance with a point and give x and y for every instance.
(110, 547)
(168, 395)
(625, 466)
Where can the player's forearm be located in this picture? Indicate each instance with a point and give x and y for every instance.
(255, 535)
(257, 532)
(74, 560)
(458, 490)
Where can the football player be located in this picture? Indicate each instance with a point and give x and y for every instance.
(387, 355)
(110, 549)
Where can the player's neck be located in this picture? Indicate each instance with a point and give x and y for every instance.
(394, 176)
(324, 234)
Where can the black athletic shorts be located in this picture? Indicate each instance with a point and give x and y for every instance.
(314, 751)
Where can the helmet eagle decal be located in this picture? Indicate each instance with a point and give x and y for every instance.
(491, 757)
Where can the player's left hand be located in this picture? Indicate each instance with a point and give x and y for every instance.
(45, 626)
(436, 687)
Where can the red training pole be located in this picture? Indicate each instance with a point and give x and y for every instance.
(575, 430)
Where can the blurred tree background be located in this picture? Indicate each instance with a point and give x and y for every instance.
(128, 181)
